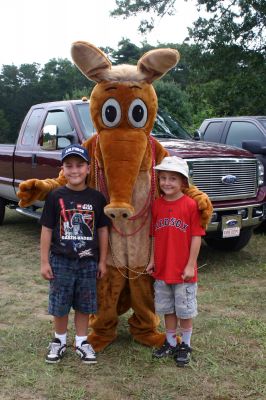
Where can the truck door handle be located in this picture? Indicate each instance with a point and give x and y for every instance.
(34, 160)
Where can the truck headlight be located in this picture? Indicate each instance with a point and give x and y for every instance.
(260, 173)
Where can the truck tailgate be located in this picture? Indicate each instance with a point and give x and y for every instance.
(7, 170)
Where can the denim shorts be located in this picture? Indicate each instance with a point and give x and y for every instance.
(179, 299)
(74, 285)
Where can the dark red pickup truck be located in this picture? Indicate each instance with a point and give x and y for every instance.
(230, 176)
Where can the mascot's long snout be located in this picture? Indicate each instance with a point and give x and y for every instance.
(122, 156)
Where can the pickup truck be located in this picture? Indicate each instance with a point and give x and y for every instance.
(231, 177)
(245, 132)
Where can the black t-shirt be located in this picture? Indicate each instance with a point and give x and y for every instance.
(74, 217)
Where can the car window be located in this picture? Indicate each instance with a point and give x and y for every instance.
(263, 122)
(31, 127)
(167, 127)
(212, 132)
(59, 118)
(240, 131)
(85, 120)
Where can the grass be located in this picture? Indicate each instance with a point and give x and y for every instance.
(228, 337)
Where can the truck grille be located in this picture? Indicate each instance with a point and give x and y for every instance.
(225, 178)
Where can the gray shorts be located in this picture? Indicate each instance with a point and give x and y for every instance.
(179, 299)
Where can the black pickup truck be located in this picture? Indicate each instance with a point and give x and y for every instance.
(245, 132)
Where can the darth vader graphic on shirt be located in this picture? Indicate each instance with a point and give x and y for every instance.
(76, 226)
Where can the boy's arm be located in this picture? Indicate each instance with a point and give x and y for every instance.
(103, 247)
(189, 270)
(46, 238)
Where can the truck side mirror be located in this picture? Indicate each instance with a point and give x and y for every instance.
(197, 135)
(49, 137)
(66, 139)
(63, 142)
(254, 146)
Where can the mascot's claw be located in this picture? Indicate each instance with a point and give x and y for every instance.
(32, 190)
(204, 204)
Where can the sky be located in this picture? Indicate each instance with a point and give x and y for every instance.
(37, 31)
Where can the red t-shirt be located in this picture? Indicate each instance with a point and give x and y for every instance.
(173, 225)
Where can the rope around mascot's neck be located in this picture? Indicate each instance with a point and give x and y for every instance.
(100, 184)
(119, 267)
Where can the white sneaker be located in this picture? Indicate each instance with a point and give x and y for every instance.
(55, 351)
(86, 353)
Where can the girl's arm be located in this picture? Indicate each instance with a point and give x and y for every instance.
(189, 270)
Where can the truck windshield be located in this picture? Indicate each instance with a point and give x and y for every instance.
(164, 127)
(85, 120)
(263, 121)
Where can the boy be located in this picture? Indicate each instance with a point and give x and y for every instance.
(177, 238)
(74, 241)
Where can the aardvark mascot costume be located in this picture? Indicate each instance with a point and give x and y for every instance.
(123, 107)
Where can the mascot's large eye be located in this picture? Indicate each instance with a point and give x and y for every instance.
(137, 113)
(111, 113)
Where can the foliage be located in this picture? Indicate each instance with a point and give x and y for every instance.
(21, 87)
(175, 101)
(127, 8)
(4, 128)
(241, 22)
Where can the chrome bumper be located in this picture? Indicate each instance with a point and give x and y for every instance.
(252, 215)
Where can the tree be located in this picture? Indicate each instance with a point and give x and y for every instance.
(175, 101)
(127, 8)
(4, 129)
(241, 22)
(234, 22)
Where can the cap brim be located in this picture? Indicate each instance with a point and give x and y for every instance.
(77, 155)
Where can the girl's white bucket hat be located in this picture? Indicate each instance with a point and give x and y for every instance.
(174, 164)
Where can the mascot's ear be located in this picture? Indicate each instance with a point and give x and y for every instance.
(155, 63)
(91, 61)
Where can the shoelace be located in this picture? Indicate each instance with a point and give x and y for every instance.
(182, 351)
(53, 347)
(88, 350)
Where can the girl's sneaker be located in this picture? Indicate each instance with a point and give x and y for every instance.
(86, 353)
(164, 351)
(55, 351)
(182, 354)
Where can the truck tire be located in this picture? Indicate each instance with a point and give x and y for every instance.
(2, 210)
(231, 244)
(261, 228)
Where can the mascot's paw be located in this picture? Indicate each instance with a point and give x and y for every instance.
(204, 204)
(32, 190)
(100, 342)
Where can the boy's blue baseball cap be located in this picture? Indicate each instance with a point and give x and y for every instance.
(75, 150)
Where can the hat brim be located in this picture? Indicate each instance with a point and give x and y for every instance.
(159, 168)
(76, 155)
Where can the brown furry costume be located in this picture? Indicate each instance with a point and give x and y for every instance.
(123, 107)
